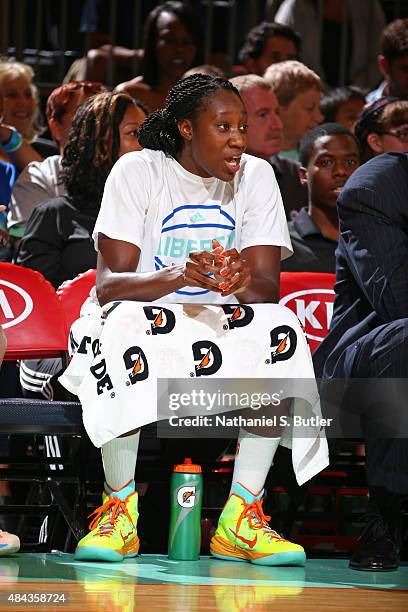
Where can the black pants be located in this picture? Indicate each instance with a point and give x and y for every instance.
(379, 360)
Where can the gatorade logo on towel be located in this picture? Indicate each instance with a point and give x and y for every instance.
(207, 356)
(163, 319)
(186, 496)
(238, 316)
(283, 343)
(136, 364)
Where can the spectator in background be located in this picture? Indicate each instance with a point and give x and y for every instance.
(112, 34)
(297, 89)
(19, 106)
(329, 154)
(383, 127)
(172, 45)
(58, 241)
(264, 138)
(19, 153)
(343, 105)
(41, 181)
(97, 20)
(393, 62)
(355, 25)
(269, 43)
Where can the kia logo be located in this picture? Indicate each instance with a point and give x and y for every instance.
(314, 309)
(15, 304)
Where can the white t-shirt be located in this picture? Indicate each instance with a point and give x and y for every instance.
(151, 201)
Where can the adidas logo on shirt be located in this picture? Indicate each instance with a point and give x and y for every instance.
(197, 217)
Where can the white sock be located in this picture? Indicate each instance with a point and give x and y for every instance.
(119, 460)
(253, 460)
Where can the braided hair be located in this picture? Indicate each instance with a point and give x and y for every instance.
(184, 101)
(93, 146)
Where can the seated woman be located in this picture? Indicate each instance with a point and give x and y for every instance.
(383, 127)
(19, 154)
(172, 45)
(57, 241)
(19, 113)
(19, 108)
(191, 184)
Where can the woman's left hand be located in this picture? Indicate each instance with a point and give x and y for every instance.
(235, 273)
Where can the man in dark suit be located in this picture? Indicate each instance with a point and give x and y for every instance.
(368, 340)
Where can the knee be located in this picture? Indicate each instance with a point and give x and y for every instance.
(396, 333)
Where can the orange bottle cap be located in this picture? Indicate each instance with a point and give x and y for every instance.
(188, 467)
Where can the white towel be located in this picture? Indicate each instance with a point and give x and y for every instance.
(122, 349)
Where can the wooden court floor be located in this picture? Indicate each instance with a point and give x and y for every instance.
(154, 583)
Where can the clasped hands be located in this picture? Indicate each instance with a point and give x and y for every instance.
(222, 271)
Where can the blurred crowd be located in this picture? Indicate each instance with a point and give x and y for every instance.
(287, 78)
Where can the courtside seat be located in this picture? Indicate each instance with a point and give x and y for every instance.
(31, 315)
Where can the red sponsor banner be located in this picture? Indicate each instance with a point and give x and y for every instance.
(310, 296)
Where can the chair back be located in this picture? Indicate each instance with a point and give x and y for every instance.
(31, 314)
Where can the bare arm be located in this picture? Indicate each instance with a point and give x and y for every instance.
(253, 275)
(116, 278)
(264, 265)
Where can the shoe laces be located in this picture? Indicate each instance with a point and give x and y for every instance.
(254, 513)
(115, 506)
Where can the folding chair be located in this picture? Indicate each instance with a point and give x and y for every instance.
(34, 323)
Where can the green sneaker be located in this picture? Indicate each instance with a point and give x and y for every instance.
(244, 534)
(113, 534)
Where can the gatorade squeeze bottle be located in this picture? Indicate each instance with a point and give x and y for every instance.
(186, 493)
